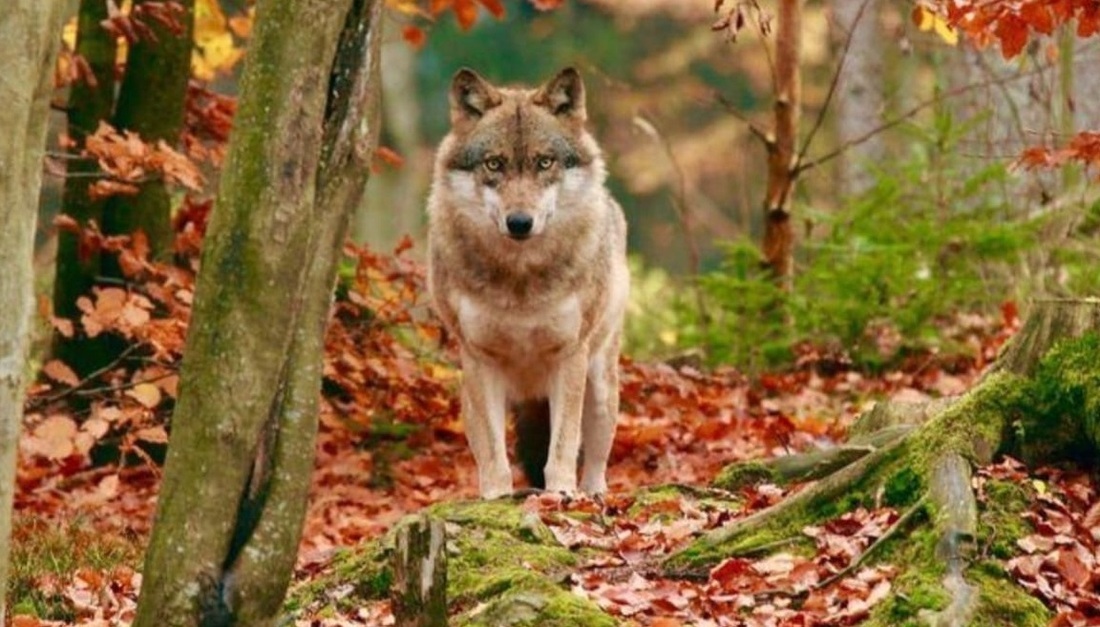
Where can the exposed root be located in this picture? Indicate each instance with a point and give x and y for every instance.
(783, 520)
(956, 527)
(901, 523)
(809, 466)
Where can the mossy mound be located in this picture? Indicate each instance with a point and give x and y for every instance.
(504, 568)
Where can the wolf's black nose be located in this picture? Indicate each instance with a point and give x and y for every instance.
(519, 225)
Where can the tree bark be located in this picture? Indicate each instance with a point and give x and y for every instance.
(859, 95)
(151, 104)
(89, 102)
(778, 245)
(420, 574)
(241, 449)
(29, 32)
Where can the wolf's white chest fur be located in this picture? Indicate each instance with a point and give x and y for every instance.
(521, 340)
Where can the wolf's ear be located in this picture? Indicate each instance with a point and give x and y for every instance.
(564, 95)
(471, 96)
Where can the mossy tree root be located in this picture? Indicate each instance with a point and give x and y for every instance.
(1046, 383)
(809, 466)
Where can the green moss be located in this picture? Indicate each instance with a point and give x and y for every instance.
(1002, 601)
(1065, 394)
(1000, 521)
(902, 488)
(918, 586)
(740, 475)
(537, 603)
(975, 426)
(498, 556)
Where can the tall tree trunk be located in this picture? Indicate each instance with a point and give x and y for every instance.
(150, 103)
(89, 102)
(241, 449)
(782, 150)
(859, 96)
(29, 32)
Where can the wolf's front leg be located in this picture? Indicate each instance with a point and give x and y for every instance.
(601, 411)
(483, 405)
(566, 405)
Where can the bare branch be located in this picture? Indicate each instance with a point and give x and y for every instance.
(834, 82)
(947, 95)
(680, 203)
(735, 112)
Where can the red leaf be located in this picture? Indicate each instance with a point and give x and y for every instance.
(547, 5)
(1012, 31)
(414, 36)
(495, 7)
(465, 13)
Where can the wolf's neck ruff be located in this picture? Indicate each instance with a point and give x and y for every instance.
(527, 268)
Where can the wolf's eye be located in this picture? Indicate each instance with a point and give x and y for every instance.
(544, 163)
(494, 164)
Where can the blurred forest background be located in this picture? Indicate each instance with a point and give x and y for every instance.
(912, 213)
(923, 219)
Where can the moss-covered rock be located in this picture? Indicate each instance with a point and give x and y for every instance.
(505, 567)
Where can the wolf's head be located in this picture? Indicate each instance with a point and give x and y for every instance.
(519, 160)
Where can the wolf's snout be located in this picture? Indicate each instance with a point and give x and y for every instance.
(519, 225)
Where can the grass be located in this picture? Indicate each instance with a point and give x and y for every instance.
(46, 553)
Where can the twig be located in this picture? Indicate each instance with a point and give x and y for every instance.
(735, 112)
(862, 557)
(834, 82)
(123, 386)
(841, 149)
(683, 210)
(79, 384)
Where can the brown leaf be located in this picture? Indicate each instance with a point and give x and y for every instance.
(147, 394)
(60, 372)
(155, 435)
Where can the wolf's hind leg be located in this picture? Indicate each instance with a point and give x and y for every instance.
(483, 412)
(601, 411)
(567, 384)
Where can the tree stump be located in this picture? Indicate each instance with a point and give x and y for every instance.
(419, 592)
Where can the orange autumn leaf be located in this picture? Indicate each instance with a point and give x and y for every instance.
(414, 36)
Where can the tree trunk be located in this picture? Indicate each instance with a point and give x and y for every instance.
(76, 268)
(29, 32)
(859, 95)
(1040, 401)
(778, 245)
(241, 449)
(150, 103)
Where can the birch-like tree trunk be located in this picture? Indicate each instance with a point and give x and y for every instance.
(28, 49)
(241, 449)
(859, 97)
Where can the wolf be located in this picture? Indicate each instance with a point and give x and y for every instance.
(527, 268)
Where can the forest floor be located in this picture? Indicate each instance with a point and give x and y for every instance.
(391, 444)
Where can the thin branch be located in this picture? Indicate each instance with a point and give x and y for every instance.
(947, 95)
(683, 209)
(883, 539)
(735, 112)
(834, 82)
(124, 386)
(85, 381)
